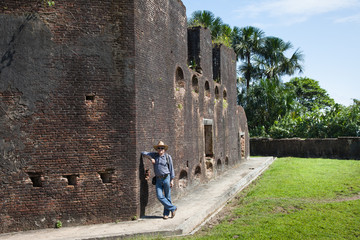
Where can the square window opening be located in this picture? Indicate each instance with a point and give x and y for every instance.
(90, 97)
(72, 179)
(36, 179)
(107, 175)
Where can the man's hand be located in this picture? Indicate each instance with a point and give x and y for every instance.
(150, 158)
(172, 183)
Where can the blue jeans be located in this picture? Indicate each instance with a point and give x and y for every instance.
(163, 193)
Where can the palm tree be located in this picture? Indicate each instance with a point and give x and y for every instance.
(246, 42)
(220, 32)
(206, 19)
(272, 62)
(224, 35)
(201, 18)
(262, 57)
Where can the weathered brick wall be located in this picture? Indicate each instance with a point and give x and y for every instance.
(160, 30)
(199, 50)
(339, 148)
(173, 102)
(67, 78)
(85, 86)
(244, 133)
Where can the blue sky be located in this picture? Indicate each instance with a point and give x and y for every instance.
(326, 31)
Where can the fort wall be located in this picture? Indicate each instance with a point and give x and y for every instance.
(66, 82)
(339, 148)
(85, 86)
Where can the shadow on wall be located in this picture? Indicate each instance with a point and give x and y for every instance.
(144, 187)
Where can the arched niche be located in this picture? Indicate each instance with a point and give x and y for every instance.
(179, 78)
(195, 84)
(207, 89)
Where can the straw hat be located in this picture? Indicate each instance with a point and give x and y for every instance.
(161, 144)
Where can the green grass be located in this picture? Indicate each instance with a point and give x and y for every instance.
(295, 199)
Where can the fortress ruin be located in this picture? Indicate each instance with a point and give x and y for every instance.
(85, 86)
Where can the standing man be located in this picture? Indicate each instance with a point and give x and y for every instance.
(164, 172)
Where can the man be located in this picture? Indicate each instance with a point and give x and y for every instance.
(164, 172)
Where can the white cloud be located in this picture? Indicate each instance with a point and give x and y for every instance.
(352, 19)
(295, 8)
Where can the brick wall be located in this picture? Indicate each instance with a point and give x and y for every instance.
(66, 83)
(85, 86)
(339, 148)
(160, 31)
(175, 99)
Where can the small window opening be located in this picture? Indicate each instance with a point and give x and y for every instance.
(183, 174)
(208, 141)
(72, 179)
(216, 92)
(107, 175)
(209, 168)
(218, 164)
(226, 161)
(207, 89)
(195, 84)
(187, 163)
(224, 95)
(183, 179)
(90, 97)
(179, 78)
(209, 165)
(36, 179)
(197, 171)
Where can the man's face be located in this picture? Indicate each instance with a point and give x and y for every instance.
(161, 150)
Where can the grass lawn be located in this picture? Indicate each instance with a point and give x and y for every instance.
(296, 198)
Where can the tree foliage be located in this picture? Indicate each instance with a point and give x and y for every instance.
(220, 32)
(272, 62)
(49, 3)
(259, 56)
(265, 102)
(298, 108)
(247, 42)
(333, 122)
(309, 93)
(264, 57)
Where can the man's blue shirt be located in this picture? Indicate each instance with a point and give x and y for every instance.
(161, 166)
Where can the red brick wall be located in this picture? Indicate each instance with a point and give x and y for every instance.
(160, 32)
(68, 92)
(171, 109)
(85, 87)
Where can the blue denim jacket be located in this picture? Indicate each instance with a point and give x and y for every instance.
(161, 166)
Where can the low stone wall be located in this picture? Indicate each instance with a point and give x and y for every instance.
(340, 148)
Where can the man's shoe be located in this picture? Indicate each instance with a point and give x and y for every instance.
(173, 213)
(165, 217)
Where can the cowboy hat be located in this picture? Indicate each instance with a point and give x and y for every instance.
(161, 144)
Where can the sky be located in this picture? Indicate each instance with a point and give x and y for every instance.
(327, 32)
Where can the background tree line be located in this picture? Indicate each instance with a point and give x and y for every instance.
(298, 108)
